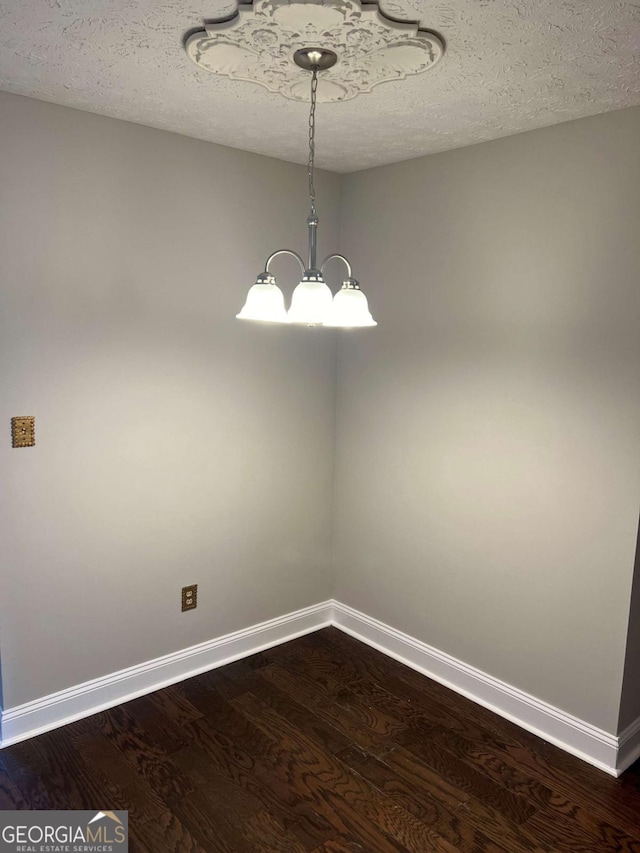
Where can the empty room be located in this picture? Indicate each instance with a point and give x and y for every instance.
(320, 390)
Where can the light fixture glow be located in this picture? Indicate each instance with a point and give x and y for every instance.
(349, 309)
(265, 301)
(312, 303)
(311, 300)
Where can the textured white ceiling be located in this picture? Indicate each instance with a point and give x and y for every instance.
(510, 65)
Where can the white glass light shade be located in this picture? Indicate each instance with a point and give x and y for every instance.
(265, 302)
(350, 308)
(311, 300)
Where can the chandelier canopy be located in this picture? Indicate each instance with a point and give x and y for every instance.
(259, 43)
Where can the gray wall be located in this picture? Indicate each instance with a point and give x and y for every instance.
(175, 445)
(487, 485)
(486, 495)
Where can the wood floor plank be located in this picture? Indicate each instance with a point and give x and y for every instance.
(613, 800)
(11, 798)
(308, 771)
(165, 833)
(211, 813)
(309, 664)
(269, 836)
(546, 790)
(301, 822)
(490, 760)
(210, 822)
(124, 787)
(208, 691)
(24, 767)
(251, 760)
(329, 782)
(76, 784)
(146, 756)
(476, 783)
(173, 705)
(315, 727)
(419, 801)
(486, 819)
(341, 693)
(557, 804)
(567, 834)
(340, 845)
(246, 757)
(352, 722)
(158, 725)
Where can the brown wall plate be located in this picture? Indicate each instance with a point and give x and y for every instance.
(23, 431)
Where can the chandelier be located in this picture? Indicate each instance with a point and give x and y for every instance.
(262, 43)
(312, 303)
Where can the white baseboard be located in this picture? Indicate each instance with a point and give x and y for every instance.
(569, 733)
(599, 748)
(58, 709)
(629, 746)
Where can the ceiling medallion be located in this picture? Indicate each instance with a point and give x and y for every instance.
(259, 42)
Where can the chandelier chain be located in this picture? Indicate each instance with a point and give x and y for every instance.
(312, 140)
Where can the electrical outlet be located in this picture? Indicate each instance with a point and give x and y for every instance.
(189, 597)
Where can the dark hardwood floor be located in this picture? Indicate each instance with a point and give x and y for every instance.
(322, 745)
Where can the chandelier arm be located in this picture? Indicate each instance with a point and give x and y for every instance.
(340, 258)
(284, 252)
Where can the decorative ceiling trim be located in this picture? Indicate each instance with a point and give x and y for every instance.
(257, 45)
